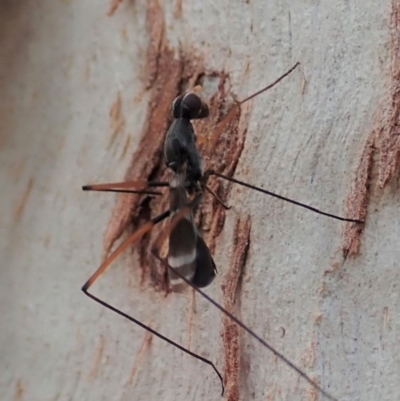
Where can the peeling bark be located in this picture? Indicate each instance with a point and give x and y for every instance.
(381, 152)
(74, 113)
(231, 289)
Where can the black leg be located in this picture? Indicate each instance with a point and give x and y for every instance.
(264, 191)
(133, 238)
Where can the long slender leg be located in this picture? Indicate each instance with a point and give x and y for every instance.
(134, 237)
(219, 200)
(264, 191)
(121, 248)
(218, 131)
(156, 254)
(130, 187)
(126, 191)
(251, 332)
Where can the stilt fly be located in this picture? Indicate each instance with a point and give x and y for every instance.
(189, 261)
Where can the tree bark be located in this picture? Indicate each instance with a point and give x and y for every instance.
(80, 91)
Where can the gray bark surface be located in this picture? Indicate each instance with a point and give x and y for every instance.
(62, 65)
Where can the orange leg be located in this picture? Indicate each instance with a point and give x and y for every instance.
(133, 238)
(130, 187)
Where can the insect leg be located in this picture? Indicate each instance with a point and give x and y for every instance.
(264, 191)
(219, 200)
(134, 237)
(130, 187)
(218, 131)
(184, 211)
(192, 205)
(307, 378)
(121, 248)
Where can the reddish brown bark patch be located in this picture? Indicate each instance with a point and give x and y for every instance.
(21, 204)
(97, 359)
(357, 201)
(231, 297)
(19, 390)
(169, 74)
(165, 74)
(382, 149)
(389, 137)
(142, 350)
(223, 157)
(113, 7)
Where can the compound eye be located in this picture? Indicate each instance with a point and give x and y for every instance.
(191, 103)
(193, 107)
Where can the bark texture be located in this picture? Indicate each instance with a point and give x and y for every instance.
(85, 88)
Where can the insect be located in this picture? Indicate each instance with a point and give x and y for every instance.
(189, 260)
